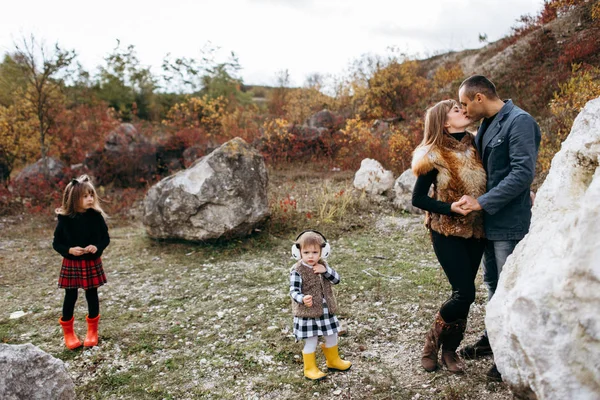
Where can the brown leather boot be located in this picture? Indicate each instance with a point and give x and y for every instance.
(450, 338)
(429, 358)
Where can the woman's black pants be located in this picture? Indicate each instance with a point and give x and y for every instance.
(460, 259)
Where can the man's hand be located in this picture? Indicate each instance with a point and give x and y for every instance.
(469, 203)
(307, 300)
(319, 268)
(455, 207)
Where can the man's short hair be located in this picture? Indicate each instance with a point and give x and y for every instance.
(478, 84)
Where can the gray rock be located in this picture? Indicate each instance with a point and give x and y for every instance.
(222, 195)
(35, 172)
(403, 188)
(323, 119)
(124, 138)
(26, 372)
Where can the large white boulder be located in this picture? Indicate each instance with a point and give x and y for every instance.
(403, 189)
(544, 319)
(27, 372)
(373, 178)
(222, 195)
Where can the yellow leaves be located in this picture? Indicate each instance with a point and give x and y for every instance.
(302, 103)
(583, 86)
(277, 139)
(198, 112)
(400, 149)
(19, 131)
(393, 90)
(596, 12)
(447, 74)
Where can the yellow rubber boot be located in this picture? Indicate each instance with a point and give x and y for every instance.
(71, 340)
(311, 371)
(334, 362)
(91, 339)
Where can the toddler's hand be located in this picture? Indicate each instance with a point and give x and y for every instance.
(91, 249)
(319, 268)
(307, 300)
(76, 251)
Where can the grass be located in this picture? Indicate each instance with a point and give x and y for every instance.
(185, 320)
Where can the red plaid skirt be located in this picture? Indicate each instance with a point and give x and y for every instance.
(84, 274)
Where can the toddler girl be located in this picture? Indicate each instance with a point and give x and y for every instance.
(313, 303)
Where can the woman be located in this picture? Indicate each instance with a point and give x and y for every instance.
(448, 160)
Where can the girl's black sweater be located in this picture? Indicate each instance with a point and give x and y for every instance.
(81, 230)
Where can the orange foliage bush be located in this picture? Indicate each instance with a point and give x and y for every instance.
(395, 91)
(81, 129)
(277, 141)
(583, 86)
(302, 103)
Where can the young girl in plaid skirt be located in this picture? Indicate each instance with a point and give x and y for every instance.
(81, 236)
(313, 303)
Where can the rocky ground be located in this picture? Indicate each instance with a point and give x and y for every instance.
(212, 321)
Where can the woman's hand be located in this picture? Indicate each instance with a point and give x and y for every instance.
(77, 251)
(319, 269)
(91, 249)
(307, 300)
(456, 207)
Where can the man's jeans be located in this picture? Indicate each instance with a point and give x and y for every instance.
(494, 257)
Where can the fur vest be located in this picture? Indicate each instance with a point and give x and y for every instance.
(460, 172)
(316, 286)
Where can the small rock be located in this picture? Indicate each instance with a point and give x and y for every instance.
(17, 314)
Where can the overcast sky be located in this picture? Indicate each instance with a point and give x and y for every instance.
(302, 36)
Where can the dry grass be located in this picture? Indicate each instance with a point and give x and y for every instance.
(187, 321)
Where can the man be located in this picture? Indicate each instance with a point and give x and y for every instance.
(508, 140)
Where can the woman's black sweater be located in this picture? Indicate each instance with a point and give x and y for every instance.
(81, 230)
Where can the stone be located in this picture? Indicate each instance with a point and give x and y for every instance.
(222, 195)
(324, 119)
(403, 189)
(543, 320)
(27, 372)
(34, 173)
(373, 178)
(127, 159)
(124, 138)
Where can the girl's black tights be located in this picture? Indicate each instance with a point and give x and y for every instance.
(91, 295)
(460, 260)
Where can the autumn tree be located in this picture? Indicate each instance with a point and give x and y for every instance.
(42, 70)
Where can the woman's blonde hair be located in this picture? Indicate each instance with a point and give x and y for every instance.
(435, 118)
(73, 194)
